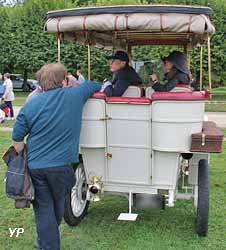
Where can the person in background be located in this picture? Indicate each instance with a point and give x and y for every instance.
(81, 78)
(2, 88)
(123, 75)
(1, 79)
(52, 121)
(8, 96)
(38, 89)
(176, 72)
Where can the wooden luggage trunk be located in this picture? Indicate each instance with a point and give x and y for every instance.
(209, 140)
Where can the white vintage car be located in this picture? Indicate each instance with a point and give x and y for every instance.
(141, 144)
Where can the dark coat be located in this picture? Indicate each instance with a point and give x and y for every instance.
(122, 79)
(172, 78)
(18, 182)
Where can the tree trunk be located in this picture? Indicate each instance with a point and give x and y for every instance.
(25, 76)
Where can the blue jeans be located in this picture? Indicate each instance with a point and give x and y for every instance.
(51, 185)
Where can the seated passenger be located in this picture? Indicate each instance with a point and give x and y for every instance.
(123, 75)
(176, 72)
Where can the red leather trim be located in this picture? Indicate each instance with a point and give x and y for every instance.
(99, 95)
(196, 95)
(127, 22)
(189, 24)
(58, 29)
(161, 23)
(115, 24)
(58, 25)
(84, 23)
(84, 27)
(122, 99)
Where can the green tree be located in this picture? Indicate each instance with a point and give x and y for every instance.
(25, 47)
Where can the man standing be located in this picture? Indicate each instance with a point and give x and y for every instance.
(52, 121)
(123, 75)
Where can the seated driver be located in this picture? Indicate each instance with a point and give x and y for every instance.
(123, 75)
(176, 72)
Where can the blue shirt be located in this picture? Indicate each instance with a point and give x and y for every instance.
(52, 121)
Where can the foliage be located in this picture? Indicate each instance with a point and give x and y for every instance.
(25, 47)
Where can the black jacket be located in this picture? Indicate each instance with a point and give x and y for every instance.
(173, 78)
(122, 79)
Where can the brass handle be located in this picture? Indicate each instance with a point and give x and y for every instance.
(109, 155)
(105, 118)
(203, 139)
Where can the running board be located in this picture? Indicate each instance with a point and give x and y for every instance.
(128, 216)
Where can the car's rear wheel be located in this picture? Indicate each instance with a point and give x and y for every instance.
(26, 87)
(203, 198)
(76, 206)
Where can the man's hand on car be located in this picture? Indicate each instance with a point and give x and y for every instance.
(105, 85)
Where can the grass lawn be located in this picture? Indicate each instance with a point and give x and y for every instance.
(219, 94)
(20, 98)
(19, 101)
(219, 90)
(224, 130)
(171, 229)
(7, 124)
(215, 107)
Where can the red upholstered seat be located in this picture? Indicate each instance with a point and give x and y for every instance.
(181, 96)
(121, 99)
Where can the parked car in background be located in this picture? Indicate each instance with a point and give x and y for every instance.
(19, 83)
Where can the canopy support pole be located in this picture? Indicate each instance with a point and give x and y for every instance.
(200, 72)
(58, 48)
(89, 64)
(189, 60)
(129, 51)
(187, 53)
(209, 64)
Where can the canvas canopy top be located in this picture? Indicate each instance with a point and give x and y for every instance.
(120, 26)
